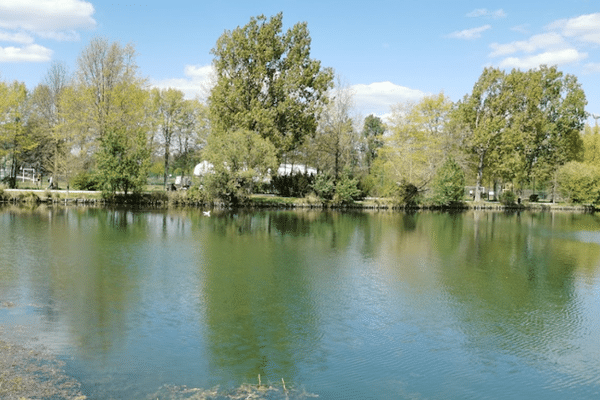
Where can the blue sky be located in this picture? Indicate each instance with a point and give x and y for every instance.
(388, 51)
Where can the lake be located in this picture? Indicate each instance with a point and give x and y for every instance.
(146, 304)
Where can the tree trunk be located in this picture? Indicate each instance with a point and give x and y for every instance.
(479, 177)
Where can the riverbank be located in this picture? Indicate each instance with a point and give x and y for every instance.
(180, 198)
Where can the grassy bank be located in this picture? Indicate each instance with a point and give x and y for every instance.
(191, 199)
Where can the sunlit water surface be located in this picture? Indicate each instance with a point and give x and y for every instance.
(478, 305)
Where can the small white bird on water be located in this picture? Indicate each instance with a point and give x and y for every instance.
(206, 213)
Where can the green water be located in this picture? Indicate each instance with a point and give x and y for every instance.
(478, 305)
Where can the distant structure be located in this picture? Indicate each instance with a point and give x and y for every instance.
(284, 169)
(596, 117)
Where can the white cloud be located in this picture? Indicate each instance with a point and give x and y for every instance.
(558, 57)
(585, 28)
(377, 98)
(549, 40)
(483, 12)
(198, 82)
(48, 15)
(31, 53)
(15, 37)
(469, 34)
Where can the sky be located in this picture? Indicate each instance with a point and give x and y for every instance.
(388, 52)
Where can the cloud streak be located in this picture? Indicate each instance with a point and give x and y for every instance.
(469, 34)
(485, 13)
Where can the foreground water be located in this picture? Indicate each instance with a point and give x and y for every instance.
(343, 305)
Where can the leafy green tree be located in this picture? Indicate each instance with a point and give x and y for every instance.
(123, 161)
(546, 112)
(419, 140)
(522, 125)
(591, 145)
(171, 111)
(15, 136)
(240, 159)
(579, 182)
(449, 183)
(108, 94)
(335, 142)
(373, 130)
(482, 115)
(267, 82)
(47, 111)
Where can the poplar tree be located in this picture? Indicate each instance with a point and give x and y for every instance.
(267, 82)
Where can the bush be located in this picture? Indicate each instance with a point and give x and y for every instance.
(580, 182)
(534, 198)
(407, 194)
(296, 185)
(85, 181)
(448, 184)
(346, 190)
(324, 186)
(507, 197)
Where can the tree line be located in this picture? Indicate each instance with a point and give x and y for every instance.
(271, 103)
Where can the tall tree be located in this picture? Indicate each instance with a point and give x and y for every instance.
(419, 139)
(484, 118)
(373, 130)
(267, 82)
(335, 142)
(47, 104)
(14, 135)
(108, 89)
(171, 116)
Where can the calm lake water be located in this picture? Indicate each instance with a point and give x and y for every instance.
(476, 305)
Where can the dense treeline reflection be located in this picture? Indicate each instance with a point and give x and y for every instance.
(325, 299)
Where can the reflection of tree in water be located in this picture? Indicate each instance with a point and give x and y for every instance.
(513, 283)
(94, 273)
(260, 310)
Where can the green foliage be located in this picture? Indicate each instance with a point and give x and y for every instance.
(267, 82)
(407, 194)
(507, 197)
(85, 180)
(448, 184)
(373, 130)
(419, 139)
(522, 125)
(580, 182)
(295, 185)
(346, 189)
(324, 186)
(240, 158)
(123, 160)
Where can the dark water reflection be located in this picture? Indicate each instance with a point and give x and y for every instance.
(346, 305)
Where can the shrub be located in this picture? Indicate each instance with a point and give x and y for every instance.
(346, 190)
(407, 194)
(534, 198)
(507, 197)
(448, 184)
(324, 186)
(85, 181)
(580, 182)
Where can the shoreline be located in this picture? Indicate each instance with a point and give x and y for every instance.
(260, 201)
